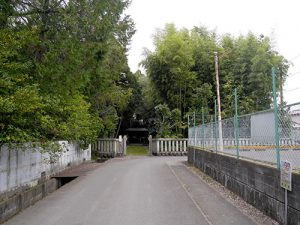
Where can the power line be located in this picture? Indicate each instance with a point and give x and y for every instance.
(293, 74)
(294, 89)
(292, 59)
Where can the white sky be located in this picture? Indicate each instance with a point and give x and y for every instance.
(279, 19)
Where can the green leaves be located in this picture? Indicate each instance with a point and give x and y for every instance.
(6, 10)
(167, 122)
(19, 97)
(182, 70)
(169, 67)
(62, 69)
(253, 58)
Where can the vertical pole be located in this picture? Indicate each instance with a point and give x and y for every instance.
(203, 138)
(150, 144)
(188, 129)
(125, 144)
(285, 207)
(236, 124)
(195, 128)
(211, 130)
(276, 118)
(219, 102)
(194, 158)
(115, 148)
(215, 127)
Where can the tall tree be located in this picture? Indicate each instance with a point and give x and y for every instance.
(169, 66)
(71, 57)
(181, 69)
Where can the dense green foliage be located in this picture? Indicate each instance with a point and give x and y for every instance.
(167, 122)
(63, 69)
(64, 72)
(182, 70)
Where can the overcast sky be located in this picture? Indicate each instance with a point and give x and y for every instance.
(279, 19)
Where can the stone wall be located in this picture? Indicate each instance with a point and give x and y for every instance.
(256, 183)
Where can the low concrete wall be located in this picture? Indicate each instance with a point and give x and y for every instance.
(25, 175)
(256, 183)
(22, 200)
(24, 169)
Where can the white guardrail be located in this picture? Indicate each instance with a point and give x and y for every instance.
(167, 146)
(110, 147)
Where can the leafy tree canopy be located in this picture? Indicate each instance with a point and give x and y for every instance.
(182, 70)
(63, 68)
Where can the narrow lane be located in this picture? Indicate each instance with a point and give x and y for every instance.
(133, 191)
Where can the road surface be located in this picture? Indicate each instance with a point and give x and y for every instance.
(134, 191)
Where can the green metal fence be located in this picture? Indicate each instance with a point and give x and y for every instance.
(253, 136)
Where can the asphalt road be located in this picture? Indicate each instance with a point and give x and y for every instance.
(134, 191)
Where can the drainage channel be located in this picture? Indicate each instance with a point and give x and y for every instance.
(24, 198)
(61, 181)
(71, 174)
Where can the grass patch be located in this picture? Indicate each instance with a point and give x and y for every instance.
(94, 156)
(137, 150)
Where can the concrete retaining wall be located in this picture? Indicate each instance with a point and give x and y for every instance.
(256, 183)
(25, 175)
(22, 200)
(24, 169)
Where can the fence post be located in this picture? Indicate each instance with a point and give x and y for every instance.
(203, 138)
(150, 144)
(236, 124)
(120, 147)
(114, 148)
(188, 123)
(215, 127)
(276, 118)
(125, 145)
(195, 128)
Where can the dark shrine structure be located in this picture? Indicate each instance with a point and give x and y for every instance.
(136, 131)
(137, 135)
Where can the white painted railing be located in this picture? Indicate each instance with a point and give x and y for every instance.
(210, 143)
(110, 147)
(167, 146)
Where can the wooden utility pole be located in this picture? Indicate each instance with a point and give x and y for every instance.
(219, 103)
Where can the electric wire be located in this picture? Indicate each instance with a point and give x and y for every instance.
(292, 59)
(294, 89)
(293, 74)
